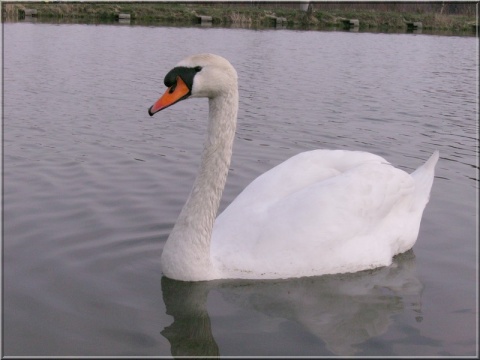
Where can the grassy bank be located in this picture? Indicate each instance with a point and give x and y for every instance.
(247, 15)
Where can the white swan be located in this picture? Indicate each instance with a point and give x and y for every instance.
(319, 212)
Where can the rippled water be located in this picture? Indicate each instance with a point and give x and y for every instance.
(93, 185)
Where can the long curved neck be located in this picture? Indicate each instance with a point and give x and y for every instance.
(186, 255)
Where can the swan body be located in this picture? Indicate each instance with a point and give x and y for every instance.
(319, 212)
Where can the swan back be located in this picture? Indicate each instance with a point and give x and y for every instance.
(322, 212)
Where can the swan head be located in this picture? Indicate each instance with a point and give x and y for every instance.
(201, 75)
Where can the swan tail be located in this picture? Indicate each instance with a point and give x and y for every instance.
(423, 178)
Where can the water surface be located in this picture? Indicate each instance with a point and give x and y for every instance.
(93, 185)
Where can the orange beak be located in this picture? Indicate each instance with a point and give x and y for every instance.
(174, 93)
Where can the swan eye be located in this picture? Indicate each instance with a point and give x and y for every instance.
(197, 68)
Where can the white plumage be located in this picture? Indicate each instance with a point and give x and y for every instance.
(319, 212)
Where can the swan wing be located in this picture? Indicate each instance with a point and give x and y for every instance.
(319, 212)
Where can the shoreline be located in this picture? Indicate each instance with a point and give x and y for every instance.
(290, 15)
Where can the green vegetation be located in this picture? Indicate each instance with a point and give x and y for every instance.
(318, 16)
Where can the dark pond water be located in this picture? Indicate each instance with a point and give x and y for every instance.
(92, 187)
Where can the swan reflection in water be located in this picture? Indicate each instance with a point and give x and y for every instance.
(342, 310)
